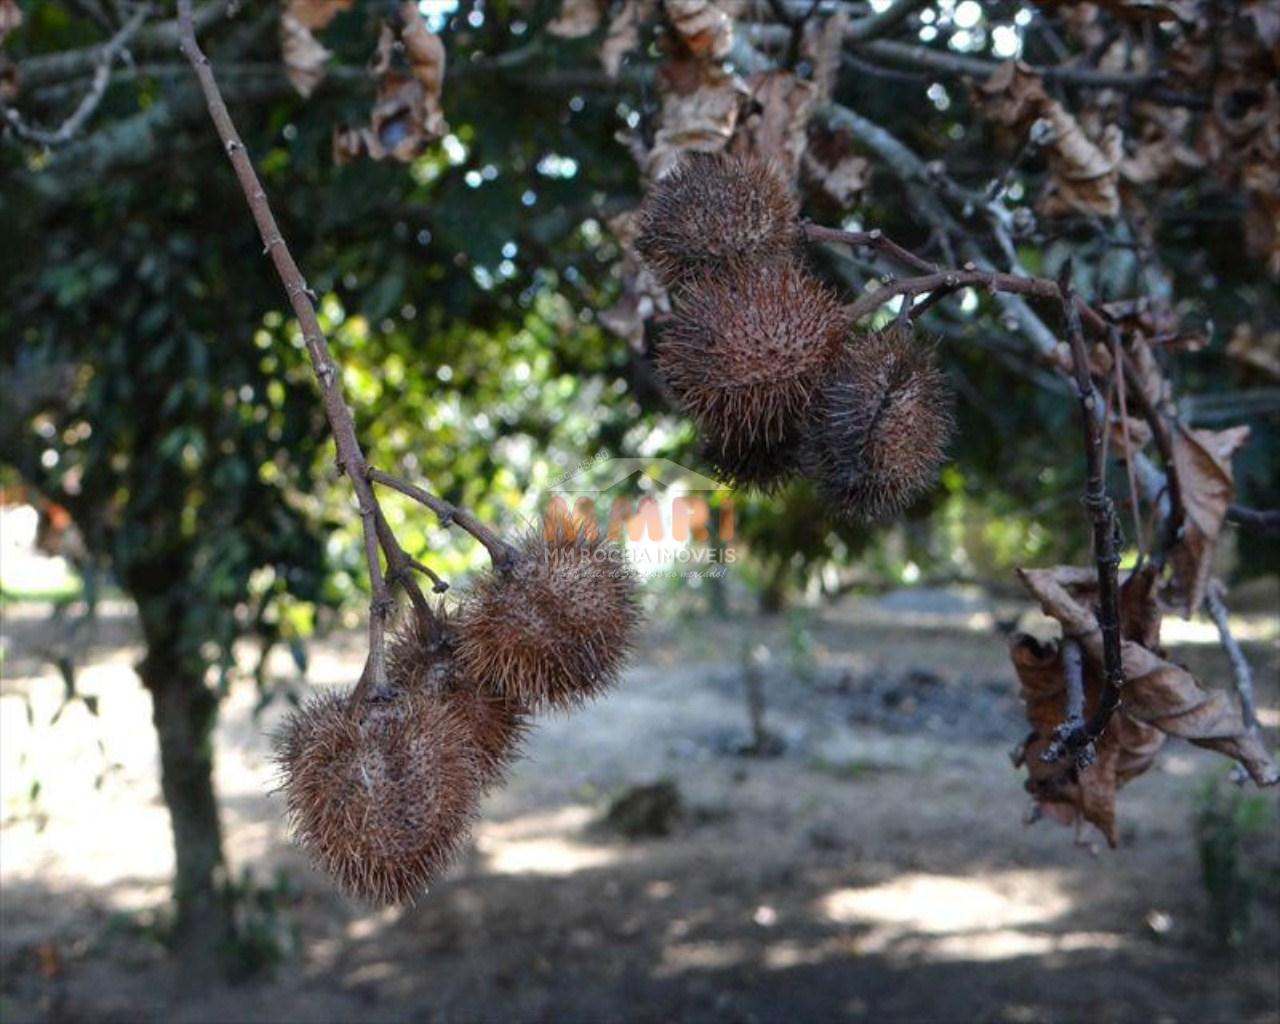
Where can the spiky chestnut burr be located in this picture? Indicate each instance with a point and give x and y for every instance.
(380, 795)
(715, 212)
(880, 427)
(553, 630)
(744, 355)
(420, 654)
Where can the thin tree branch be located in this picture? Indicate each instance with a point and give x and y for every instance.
(160, 38)
(1073, 712)
(89, 103)
(502, 553)
(373, 681)
(1265, 519)
(1106, 535)
(863, 30)
(1240, 670)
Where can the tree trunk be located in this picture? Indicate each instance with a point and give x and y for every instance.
(773, 598)
(184, 712)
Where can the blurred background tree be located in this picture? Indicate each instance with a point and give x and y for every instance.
(154, 388)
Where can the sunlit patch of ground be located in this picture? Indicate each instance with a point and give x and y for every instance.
(794, 888)
(999, 915)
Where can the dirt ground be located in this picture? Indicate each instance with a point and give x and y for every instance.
(877, 870)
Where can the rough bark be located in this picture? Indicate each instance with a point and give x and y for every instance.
(184, 712)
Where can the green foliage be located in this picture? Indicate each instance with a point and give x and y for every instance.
(1228, 826)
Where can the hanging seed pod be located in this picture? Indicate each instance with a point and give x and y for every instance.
(380, 795)
(744, 356)
(555, 629)
(713, 213)
(880, 427)
(420, 655)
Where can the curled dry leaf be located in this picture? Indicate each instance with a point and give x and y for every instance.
(314, 14)
(777, 113)
(642, 295)
(426, 56)
(700, 109)
(1083, 172)
(832, 164)
(1202, 459)
(624, 34)
(705, 29)
(577, 18)
(821, 46)
(1160, 698)
(10, 17)
(8, 80)
(406, 115)
(1258, 349)
(303, 55)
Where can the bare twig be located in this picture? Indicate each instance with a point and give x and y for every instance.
(65, 132)
(1113, 336)
(949, 280)
(874, 239)
(1265, 519)
(502, 553)
(1240, 670)
(1073, 712)
(373, 681)
(882, 23)
(159, 38)
(1106, 533)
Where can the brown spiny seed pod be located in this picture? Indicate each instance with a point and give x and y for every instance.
(880, 426)
(420, 656)
(744, 356)
(555, 628)
(495, 724)
(763, 467)
(380, 796)
(715, 212)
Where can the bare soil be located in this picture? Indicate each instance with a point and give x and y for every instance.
(878, 869)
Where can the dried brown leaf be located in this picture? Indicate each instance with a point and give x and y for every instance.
(303, 55)
(406, 115)
(1202, 459)
(821, 46)
(425, 53)
(1083, 172)
(1126, 750)
(700, 109)
(10, 17)
(642, 295)
(705, 30)
(1157, 692)
(1013, 96)
(577, 18)
(1260, 350)
(777, 114)
(8, 80)
(315, 14)
(624, 34)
